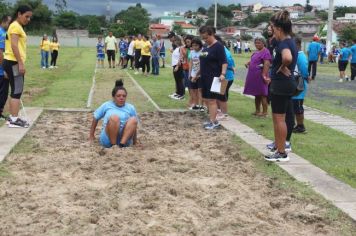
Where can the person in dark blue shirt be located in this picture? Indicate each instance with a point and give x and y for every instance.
(353, 60)
(344, 57)
(314, 51)
(4, 82)
(283, 84)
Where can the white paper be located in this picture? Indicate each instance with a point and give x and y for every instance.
(216, 85)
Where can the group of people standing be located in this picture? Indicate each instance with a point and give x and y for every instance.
(49, 47)
(135, 52)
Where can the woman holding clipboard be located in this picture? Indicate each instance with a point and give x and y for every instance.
(212, 64)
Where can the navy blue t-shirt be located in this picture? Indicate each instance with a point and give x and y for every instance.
(211, 61)
(277, 62)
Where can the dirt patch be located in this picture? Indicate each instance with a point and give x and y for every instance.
(183, 180)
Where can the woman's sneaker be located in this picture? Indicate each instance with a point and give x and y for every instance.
(172, 95)
(194, 108)
(212, 125)
(272, 147)
(19, 123)
(277, 157)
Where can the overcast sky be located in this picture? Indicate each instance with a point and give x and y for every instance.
(157, 7)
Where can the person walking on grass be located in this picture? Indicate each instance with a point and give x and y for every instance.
(137, 47)
(45, 49)
(302, 68)
(353, 60)
(258, 77)
(119, 120)
(4, 81)
(54, 46)
(283, 84)
(162, 50)
(155, 52)
(145, 55)
(213, 64)
(14, 62)
(194, 75)
(177, 69)
(111, 49)
(344, 58)
(100, 54)
(314, 50)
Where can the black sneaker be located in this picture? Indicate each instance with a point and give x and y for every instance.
(277, 157)
(299, 129)
(194, 108)
(19, 123)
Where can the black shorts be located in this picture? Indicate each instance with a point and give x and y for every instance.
(206, 86)
(194, 85)
(280, 103)
(111, 54)
(298, 106)
(342, 65)
(15, 79)
(225, 97)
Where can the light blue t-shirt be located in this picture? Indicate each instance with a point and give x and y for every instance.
(155, 49)
(345, 54)
(314, 49)
(302, 65)
(2, 46)
(353, 51)
(109, 108)
(230, 74)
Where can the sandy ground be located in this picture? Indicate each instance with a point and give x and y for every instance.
(183, 180)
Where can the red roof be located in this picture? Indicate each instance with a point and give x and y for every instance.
(158, 26)
(185, 25)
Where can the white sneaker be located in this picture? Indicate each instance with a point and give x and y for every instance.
(340, 80)
(51, 67)
(172, 95)
(43, 67)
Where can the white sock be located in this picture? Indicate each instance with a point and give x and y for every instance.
(13, 118)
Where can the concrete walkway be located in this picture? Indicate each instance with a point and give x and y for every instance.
(338, 123)
(11, 136)
(340, 194)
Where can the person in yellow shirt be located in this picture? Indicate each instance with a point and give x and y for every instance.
(145, 55)
(45, 48)
(137, 48)
(14, 62)
(54, 47)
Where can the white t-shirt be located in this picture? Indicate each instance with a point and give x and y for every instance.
(131, 51)
(175, 56)
(110, 43)
(194, 57)
(238, 44)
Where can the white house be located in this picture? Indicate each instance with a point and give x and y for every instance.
(348, 18)
(255, 33)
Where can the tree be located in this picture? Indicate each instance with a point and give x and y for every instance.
(220, 23)
(348, 33)
(4, 8)
(94, 26)
(41, 15)
(297, 5)
(67, 20)
(253, 21)
(340, 11)
(202, 10)
(117, 30)
(177, 29)
(61, 6)
(308, 7)
(246, 37)
(198, 22)
(222, 10)
(323, 15)
(134, 20)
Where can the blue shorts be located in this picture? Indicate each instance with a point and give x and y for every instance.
(162, 54)
(105, 140)
(100, 57)
(123, 54)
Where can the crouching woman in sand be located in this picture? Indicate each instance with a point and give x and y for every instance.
(119, 120)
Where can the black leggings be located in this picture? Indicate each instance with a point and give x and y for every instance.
(353, 71)
(178, 77)
(130, 59)
(290, 120)
(15, 79)
(145, 63)
(312, 68)
(137, 58)
(54, 56)
(4, 92)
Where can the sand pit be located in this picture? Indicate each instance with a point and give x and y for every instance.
(183, 180)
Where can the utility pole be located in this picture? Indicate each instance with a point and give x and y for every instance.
(216, 13)
(330, 25)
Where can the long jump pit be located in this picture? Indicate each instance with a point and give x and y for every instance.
(181, 180)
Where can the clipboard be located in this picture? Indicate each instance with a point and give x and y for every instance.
(218, 86)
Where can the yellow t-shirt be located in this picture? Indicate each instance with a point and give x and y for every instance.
(15, 28)
(146, 48)
(138, 44)
(45, 44)
(54, 46)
